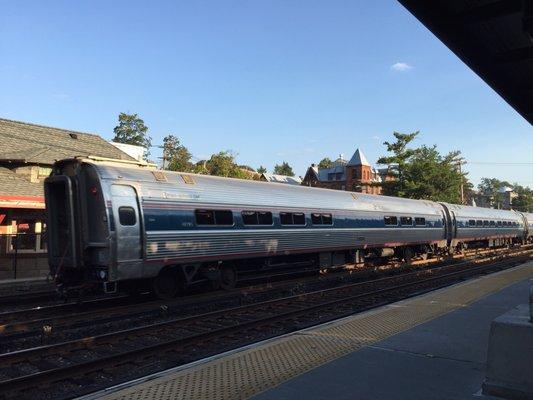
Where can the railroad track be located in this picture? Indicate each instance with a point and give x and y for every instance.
(58, 320)
(27, 297)
(71, 368)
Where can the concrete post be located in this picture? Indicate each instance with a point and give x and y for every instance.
(531, 303)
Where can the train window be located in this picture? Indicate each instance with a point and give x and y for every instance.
(205, 217)
(406, 221)
(419, 221)
(299, 218)
(391, 221)
(249, 218)
(504, 223)
(285, 218)
(264, 217)
(321, 219)
(257, 218)
(492, 223)
(472, 222)
(479, 222)
(223, 217)
(485, 223)
(126, 216)
(499, 223)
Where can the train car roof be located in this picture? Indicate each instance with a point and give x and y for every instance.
(156, 185)
(481, 212)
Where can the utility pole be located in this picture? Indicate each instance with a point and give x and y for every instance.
(164, 158)
(459, 164)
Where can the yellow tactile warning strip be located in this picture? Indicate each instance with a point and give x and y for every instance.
(248, 372)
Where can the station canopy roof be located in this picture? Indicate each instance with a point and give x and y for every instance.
(493, 37)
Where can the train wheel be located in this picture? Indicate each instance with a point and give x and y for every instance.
(408, 254)
(228, 278)
(166, 285)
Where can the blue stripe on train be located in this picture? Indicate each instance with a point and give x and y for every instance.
(164, 220)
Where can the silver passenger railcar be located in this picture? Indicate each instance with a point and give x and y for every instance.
(118, 222)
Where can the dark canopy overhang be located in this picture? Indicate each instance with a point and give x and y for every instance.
(493, 37)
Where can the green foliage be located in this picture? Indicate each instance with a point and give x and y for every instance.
(325, 163)
(283, 169)
(247, 168)
(489, 188)
(261, 170)
(176, 156)
(223, 164)
(423, 173)
(132, 130)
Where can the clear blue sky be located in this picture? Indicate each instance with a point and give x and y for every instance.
(271, 80)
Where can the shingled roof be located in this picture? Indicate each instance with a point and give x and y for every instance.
(14, 185)
(30, 143)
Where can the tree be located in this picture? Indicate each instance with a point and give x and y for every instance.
(223, 164)
(423, 173)
(176, 157)
(429, 175)
(397, 161)
(283, 169)
(132, 130)
(489, 189)
(261, 170)
(524, 201)
(325, 163)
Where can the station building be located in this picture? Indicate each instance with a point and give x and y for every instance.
(27, 154)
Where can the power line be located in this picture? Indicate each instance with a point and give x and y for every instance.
(499, 163)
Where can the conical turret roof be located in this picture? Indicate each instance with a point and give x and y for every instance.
(358, 158)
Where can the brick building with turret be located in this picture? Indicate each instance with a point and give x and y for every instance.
(354, 175)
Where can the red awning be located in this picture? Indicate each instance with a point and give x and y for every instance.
(10, 201)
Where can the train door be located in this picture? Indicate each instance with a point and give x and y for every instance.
(127, 232)
(449, 224)
(454, 225)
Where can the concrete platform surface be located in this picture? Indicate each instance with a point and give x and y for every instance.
(444, 358)
(432, 346)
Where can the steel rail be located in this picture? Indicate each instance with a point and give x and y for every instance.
(11, 328)
(58, 373)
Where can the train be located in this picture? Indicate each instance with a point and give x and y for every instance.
(119, 225)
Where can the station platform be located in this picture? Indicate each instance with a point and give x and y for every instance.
(24, 285)
(433, 346)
